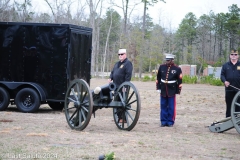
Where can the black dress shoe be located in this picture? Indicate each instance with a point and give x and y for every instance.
(170, 125)
(162, 125)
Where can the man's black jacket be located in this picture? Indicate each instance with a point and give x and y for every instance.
(231, 73)
(122, 71)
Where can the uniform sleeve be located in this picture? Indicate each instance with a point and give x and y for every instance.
(179, 77)
(179, 81)
(128, 74)
(223, 73)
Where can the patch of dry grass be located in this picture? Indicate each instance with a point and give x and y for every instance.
(38, 134)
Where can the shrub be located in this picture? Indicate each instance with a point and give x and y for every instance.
(135, 79)
(146, 78)
(206, 79)
(154, 78)
(211, 80)
(189, 79)
(216, 82)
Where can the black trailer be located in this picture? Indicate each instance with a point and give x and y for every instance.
(39, 60)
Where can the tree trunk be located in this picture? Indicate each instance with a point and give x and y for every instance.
(143, 46)
(106, 45)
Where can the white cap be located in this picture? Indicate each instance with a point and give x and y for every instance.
(169, 56)
(122, 51)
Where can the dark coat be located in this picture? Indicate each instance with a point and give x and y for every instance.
(122, 72)
(231, 73)
(166, 77)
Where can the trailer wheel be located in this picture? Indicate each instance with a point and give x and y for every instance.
(27, 100)
(78, 104)
(4, 99)
(57, 106)
(129, 113)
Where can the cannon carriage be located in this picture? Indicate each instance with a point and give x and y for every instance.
(81, 103)
(229, 122)
(43, 63)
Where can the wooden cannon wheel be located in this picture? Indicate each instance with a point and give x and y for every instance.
(129, 113)
(235, 112)
(78, 105)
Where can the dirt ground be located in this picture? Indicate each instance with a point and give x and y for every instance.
(46, 134)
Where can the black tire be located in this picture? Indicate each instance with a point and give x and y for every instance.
(4, 99)
(27, 100)
(78, 104)
(235, 112)
(128, 95)
(57, 106)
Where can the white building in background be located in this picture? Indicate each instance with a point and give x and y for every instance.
(188, 69)
(191, 70)
(215, 71)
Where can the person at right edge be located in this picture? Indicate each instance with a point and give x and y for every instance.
(169, 82)
(230, 76)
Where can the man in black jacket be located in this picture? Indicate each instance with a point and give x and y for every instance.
(122, 72)
(230, 75)
(169, 82)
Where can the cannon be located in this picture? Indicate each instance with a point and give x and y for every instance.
(81, 103)
(230, 122)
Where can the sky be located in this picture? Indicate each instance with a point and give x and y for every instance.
(171, 13)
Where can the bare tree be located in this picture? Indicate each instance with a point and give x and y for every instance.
(106, 44)
(146, 4)
(125, 8)
(80, 13)
(93, 6)
(59, 9)
(4, 6)
(25, 14)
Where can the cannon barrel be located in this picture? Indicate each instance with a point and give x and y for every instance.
(105, 89)
(104, 92)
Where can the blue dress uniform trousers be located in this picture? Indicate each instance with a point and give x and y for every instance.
(168, 110)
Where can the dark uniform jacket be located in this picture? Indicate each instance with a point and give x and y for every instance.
(231, 73)
(122, 71)
(169, 78)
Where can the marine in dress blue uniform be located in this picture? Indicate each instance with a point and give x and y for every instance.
(230, 75)
(169, 82)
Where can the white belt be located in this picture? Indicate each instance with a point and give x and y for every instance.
(168, 81)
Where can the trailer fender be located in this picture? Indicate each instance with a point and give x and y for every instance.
(15, 85)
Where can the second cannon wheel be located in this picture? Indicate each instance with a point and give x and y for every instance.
(126, 117)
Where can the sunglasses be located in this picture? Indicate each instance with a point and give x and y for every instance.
(121, 54)
(234, 54)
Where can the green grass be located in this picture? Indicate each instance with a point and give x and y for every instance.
(186, 79)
